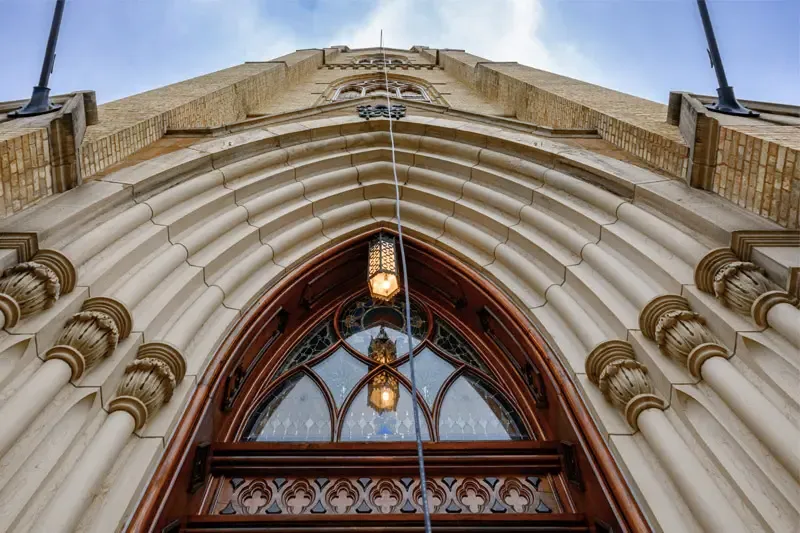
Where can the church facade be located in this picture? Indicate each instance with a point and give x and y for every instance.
(603, 305)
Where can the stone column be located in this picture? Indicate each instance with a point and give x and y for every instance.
(683, 336)
(740, 285)
(30, 287)
(88, 337)
(148, 383)
(625, 383)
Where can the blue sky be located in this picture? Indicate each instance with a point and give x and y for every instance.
(644, 47)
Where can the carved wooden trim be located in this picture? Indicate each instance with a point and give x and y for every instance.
(200, 466)
(572, 469)
(238, 377)
(374, 494)
(26, 244)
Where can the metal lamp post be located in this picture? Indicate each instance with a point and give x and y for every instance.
(40, 99)
(726, 103)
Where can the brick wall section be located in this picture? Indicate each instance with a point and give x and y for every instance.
(24, 166)
(758, 168)
(132, 123)
(634, 124)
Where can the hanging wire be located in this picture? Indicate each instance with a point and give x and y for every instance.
(420, 456)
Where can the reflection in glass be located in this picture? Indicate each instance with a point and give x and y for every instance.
(473, 411)
(340, 371)
(295, 412)
(363, 423)
(361, 320)
(446, 338)
(316, 342)
(430, 371)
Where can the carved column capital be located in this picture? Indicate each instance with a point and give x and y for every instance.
(669, 321)
(114, 309)
(623, 380)
(33, 286)
(149, 381)
(737, 284)
(27, 288)
(87, 338)
(767, 301)
(61, 266)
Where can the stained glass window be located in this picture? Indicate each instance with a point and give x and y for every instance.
(340, 372)
(368, 336)
(296, 412)
(446, 338)
(363, 423)
(473, 411)
(430, 371)
(361, 320)
(316, 342)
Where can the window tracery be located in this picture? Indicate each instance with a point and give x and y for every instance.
(380, 59)
(399, 89)
(348, 380)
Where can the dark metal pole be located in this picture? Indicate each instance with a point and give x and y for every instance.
(726, 102)
(40, 99)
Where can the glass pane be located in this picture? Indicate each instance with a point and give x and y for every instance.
(361, 320)
(446, 338)
(473, 411)
(340, 371)
(316, 342)
(363, 423)
(296, 412)
(430, 371)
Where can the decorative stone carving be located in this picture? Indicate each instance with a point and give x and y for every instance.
(149, 381)
(114, 309)
(623, 380)
(669, 321)
(88, 338)
(27, 288)
(737, 284)
(33, 286)
(91, 335)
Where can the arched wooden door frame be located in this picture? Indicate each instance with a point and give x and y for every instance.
(266, 324)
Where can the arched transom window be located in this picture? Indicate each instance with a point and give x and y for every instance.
(348, 380)
(377, 87)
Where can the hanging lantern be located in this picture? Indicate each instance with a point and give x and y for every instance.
(383, 392)
(382, 273)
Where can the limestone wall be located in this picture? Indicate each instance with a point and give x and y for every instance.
(635, 124)
(226, 96)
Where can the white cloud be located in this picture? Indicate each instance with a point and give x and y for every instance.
(498, 30)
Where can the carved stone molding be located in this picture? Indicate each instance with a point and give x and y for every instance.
(61, 266)
(702, 353)
(26, 244)
(743, 241)
(658, 307)
(623, 380)
(767, 301)
(737, 284)
(87, 338)
(114, 309)
(149, 381)
(27, 288)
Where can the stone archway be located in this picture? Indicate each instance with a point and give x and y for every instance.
(170, 251)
